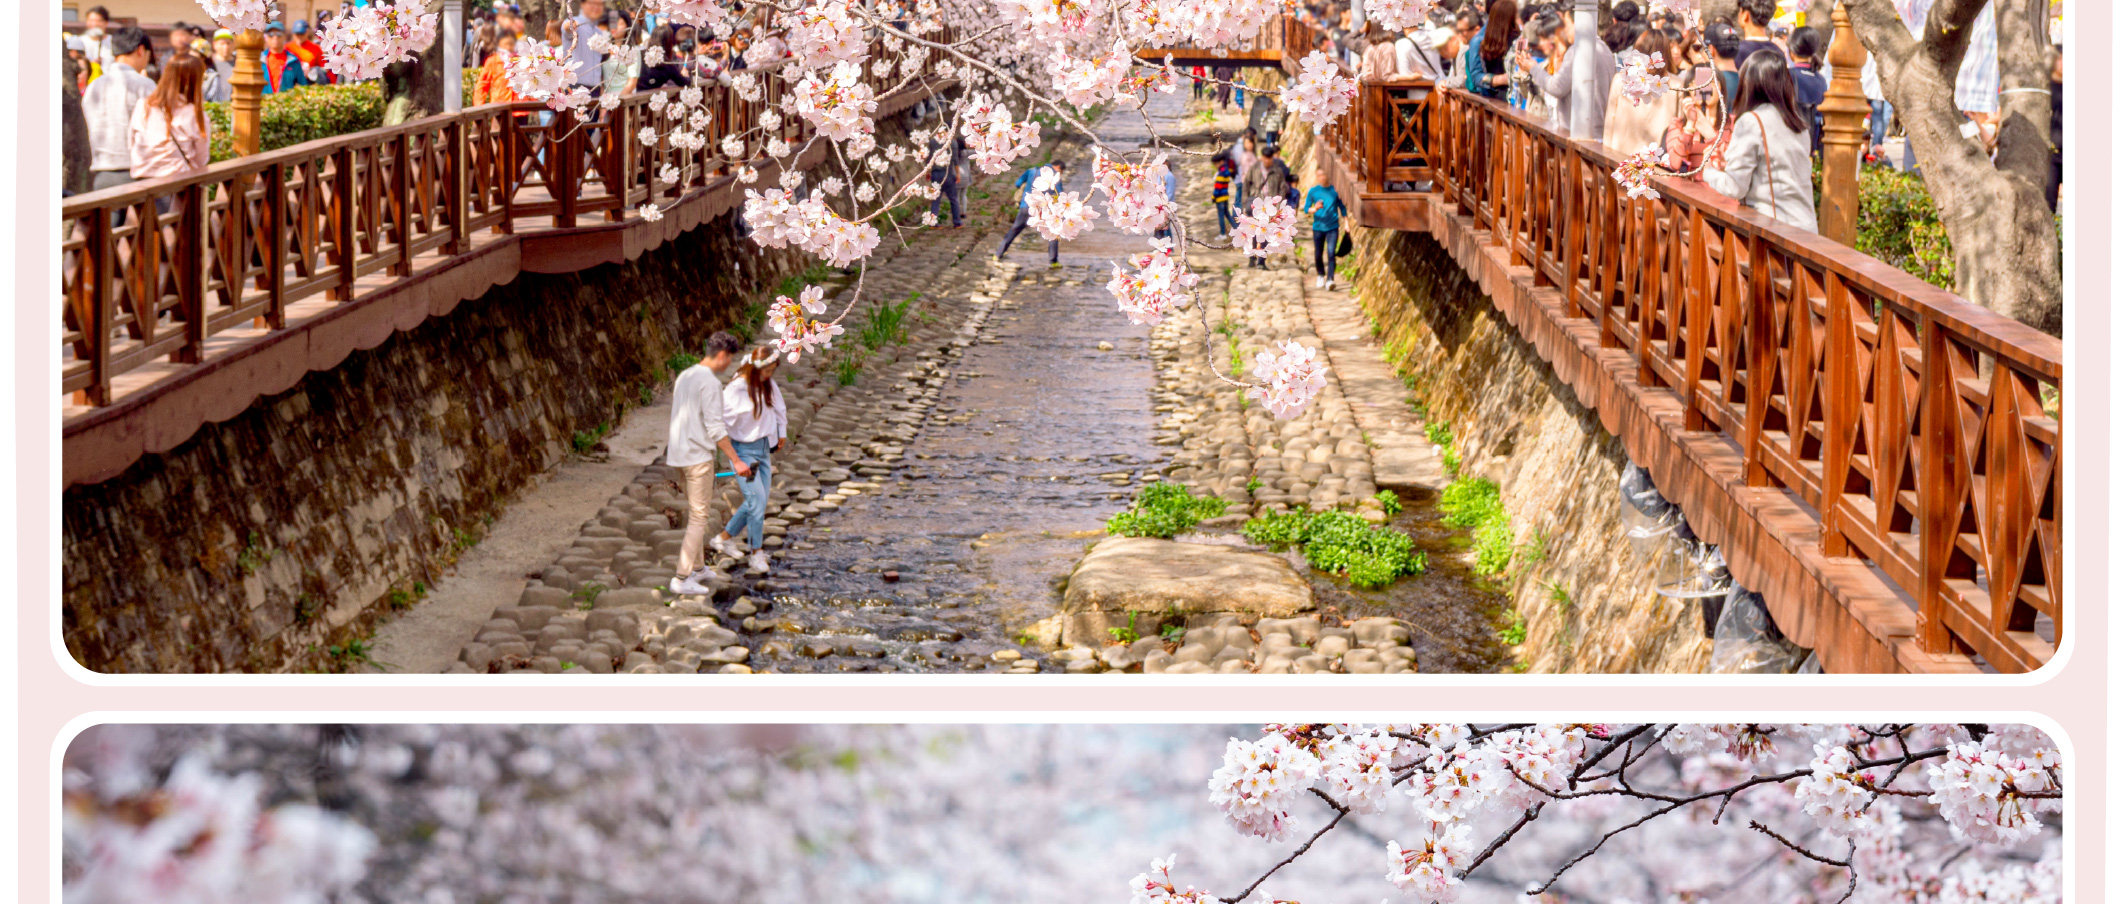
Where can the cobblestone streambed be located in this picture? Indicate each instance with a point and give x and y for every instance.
(928, 516)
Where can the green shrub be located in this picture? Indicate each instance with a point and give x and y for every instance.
(1164, 510)
(1900, 226)
(1494, 545)
(1469, 502)
(1370, 556)
(302, 114)
(1389, 502)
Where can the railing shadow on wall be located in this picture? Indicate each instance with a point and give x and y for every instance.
(154, 273)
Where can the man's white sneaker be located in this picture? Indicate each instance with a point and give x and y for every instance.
(1330, 285)
(757, 561)
(727, 546)
(686, 587)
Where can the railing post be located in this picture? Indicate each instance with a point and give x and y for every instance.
(1844, 111)
(401, 189)
(1379, 130)
(273, 203)
(191, 264)
(1936, 533)
(343, 220)
(98, 269)
(457, 157)
(246, 89)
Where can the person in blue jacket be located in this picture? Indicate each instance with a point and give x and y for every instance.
(1025, 188)
(1327, 209)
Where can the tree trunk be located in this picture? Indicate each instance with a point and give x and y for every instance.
(1819, 17)
(2005, 239)
(1716, 10)
(414, 88)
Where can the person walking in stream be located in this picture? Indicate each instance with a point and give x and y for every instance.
(1025, 186)
(1327, 209)
(697, 431)
(758, 422)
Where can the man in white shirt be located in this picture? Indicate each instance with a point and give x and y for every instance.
(590, 68)
(697, 431)
(1416, 56)
(108, 104)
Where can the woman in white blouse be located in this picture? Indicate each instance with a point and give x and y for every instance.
(758, 422)
(169, 130)
(1768, 164)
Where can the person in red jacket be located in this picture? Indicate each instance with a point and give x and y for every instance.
(307, 50)
(284, 70)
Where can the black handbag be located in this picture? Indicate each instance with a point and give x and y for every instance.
(1343, 245)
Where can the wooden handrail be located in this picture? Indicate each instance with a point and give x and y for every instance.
(1920, 427)
(245, 239)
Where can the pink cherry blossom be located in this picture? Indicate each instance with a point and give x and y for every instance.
(1290, 380)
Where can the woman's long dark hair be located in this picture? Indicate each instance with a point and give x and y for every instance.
(1766, 80)
(1501, 31)
(760, 383)
(179, 87)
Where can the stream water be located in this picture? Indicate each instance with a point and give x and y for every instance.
(1042, 429)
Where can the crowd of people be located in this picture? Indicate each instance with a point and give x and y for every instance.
(1765, 68)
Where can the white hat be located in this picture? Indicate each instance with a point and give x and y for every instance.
(74, 42)
(761, 356)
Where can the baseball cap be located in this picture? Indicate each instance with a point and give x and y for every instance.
(276, 26)
(224, 33)
(74, 42)
(302, 26)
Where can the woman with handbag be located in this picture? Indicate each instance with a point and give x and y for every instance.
(1327, 209)
(1767, 164)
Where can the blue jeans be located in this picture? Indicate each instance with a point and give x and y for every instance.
(1225, 217)
(1018, 226)
(1239, 96)
(948, 193)
(751, 517)
(1878, 127)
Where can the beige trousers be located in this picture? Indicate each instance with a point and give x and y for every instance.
(700, 493)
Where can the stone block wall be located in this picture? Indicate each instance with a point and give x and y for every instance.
(1588, 599)
(267, 538)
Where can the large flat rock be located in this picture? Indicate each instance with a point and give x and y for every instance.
(1158, 578)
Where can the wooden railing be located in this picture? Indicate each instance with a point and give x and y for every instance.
(1922, 429)
(154, 271)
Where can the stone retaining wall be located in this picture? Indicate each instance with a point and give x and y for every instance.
(1587, 598)
(266, 538)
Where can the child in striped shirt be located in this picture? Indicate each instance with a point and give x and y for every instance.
(1221, 190)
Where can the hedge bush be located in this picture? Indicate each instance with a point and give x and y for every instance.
(1163, 510)
(1900, 226)
(302, 114)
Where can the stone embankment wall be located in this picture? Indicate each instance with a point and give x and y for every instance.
(1587, 597)
(269, 538)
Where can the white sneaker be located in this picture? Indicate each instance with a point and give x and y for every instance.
(757, 561)
(727, 546)
(1330, 284)
(686, 587)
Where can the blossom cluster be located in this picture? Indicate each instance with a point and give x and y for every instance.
(779, 220)
(1265, 228)
(1636, 172)
(1985, 792)
(795, 325)
(993, 138)
(1321, 94)
(359, 43)
(1136, 192)
(840, 105)
(1290, 377)
(1158, 286)
(203, 837)
(240, 15)
(1636, 79)
(1857, 787)
(545, 72)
